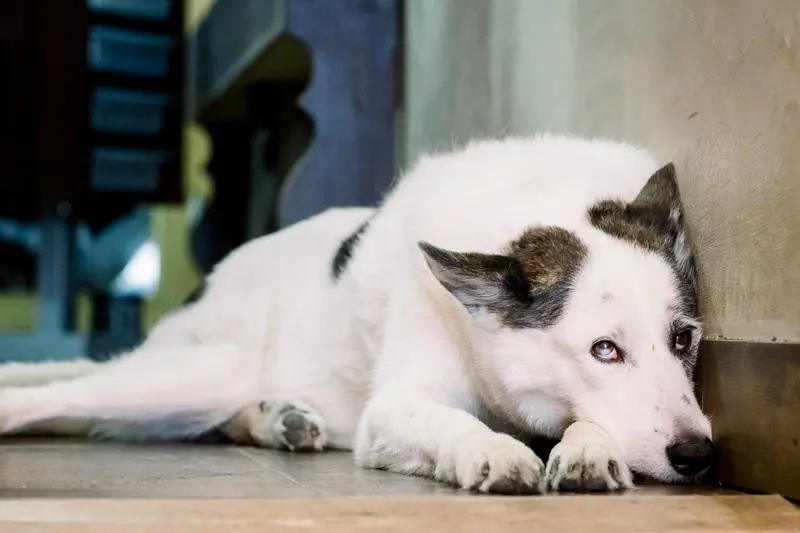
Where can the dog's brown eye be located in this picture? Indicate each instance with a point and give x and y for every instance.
(605, 351)
(682, 341)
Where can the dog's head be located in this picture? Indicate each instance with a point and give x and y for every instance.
(598, 324)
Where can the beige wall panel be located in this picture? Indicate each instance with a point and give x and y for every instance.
(712, 84)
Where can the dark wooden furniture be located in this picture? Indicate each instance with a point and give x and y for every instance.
(45, 104)
(91, 121)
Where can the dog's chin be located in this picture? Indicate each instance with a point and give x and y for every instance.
(669, 476)
(699, 478)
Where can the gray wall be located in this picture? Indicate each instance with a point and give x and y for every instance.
(711, 84)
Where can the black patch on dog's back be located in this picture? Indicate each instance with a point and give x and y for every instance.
(345, 251)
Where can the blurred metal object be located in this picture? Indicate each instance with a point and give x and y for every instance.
(121, 266)
(55, 337)
(116, 326)
(26, 235)
(124, 260)
(56, 277)
(234, 41)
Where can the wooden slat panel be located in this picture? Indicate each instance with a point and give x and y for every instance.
(752, 392)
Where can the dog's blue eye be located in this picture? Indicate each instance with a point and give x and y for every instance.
(605, 351)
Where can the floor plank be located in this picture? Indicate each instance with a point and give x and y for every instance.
(568, 514)
(49, 487)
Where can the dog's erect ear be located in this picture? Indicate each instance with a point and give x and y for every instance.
(654, 218)
(661, 190)
(477, 280)
(662, 193)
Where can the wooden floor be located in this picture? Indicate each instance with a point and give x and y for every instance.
(93, 488)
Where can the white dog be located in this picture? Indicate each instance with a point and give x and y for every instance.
(530, 286)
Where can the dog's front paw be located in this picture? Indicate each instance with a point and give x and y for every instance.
(587, 466)
(498, 464)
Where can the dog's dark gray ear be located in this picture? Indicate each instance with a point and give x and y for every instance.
(477, 280)
(661, 190)
(654, 219)
(661, 195)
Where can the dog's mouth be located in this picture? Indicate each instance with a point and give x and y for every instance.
(696, 479)
(699, 477)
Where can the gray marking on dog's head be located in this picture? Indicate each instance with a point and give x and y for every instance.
(654, 221)
(527, 287)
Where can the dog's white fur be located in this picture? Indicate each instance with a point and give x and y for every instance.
(386, 362)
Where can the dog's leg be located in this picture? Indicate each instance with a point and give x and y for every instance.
(282, 425)
(151, 393)
(29, 374)
(424, 437)
(419, 421)
(587, 460)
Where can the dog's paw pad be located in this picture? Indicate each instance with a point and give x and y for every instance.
(498, 464)
(586, 467)
(288, 426)
(300, 429)
(513, 484)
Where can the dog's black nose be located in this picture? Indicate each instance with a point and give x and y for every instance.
(691, 455)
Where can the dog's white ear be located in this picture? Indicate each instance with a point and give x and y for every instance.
(475, 279)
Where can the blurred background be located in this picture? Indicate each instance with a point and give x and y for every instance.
(142, 140)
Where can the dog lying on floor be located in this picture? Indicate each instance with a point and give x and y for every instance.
(525, 286)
